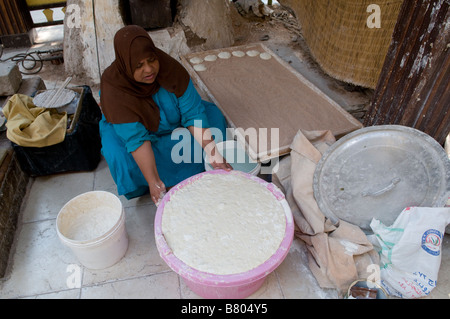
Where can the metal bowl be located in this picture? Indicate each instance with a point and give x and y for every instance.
(381, 293)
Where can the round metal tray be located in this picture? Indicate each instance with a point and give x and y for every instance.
(376, 172)
(64, 97)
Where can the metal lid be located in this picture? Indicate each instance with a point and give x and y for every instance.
(376, 172)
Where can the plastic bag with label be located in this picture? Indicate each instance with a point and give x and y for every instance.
(410, 250)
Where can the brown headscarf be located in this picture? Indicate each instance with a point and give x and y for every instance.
(124, 100)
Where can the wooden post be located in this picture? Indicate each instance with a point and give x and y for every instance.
(414, 84)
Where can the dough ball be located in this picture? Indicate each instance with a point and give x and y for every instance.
(252, 53)
(265, 56)
(196, 60)
(224, 55)
(211, 58)
(238, 54)
(200, 67)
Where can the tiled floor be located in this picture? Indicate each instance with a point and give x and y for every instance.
(42, 267)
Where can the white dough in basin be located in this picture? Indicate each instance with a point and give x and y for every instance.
(223, 224)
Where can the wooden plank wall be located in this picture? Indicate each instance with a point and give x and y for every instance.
(414, 86)
(13, 18)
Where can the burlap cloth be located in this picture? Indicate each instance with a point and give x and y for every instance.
(337, 255)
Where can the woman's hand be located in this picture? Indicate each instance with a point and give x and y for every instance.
(157, 191)
(217, 161)
(204, 138)
(145, 158)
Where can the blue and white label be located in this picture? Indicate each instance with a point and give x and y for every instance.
(431, 241)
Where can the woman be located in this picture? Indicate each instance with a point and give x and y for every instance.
(145, 96)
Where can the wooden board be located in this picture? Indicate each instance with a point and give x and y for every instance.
(266, 96)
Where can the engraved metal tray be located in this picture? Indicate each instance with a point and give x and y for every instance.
(376, 172)
(54, 98)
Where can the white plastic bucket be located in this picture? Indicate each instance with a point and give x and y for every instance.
(237, 157)
(92, 225)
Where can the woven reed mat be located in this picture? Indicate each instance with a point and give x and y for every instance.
(339, 39)
(257, 95)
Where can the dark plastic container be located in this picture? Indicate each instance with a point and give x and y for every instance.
(80, 150)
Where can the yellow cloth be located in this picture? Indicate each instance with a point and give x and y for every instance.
(33, 126)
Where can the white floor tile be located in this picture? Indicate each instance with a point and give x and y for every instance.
(159, 286)
(65, 294)
(39, 264)
(48, 194)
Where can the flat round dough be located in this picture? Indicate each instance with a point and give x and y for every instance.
(252, 53)
(238, 54)
(211, 58)
(200, 67)
(223, 224)
(224, 55)
(265, 56)
(196, 60)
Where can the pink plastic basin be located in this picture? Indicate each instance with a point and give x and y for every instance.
(235, 286)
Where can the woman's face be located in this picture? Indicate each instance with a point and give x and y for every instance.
(147, 70)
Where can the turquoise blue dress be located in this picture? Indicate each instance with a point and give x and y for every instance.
(177, 154)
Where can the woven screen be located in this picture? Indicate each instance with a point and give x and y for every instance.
(340, 40)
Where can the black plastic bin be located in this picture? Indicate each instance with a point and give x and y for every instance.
(80, 150)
